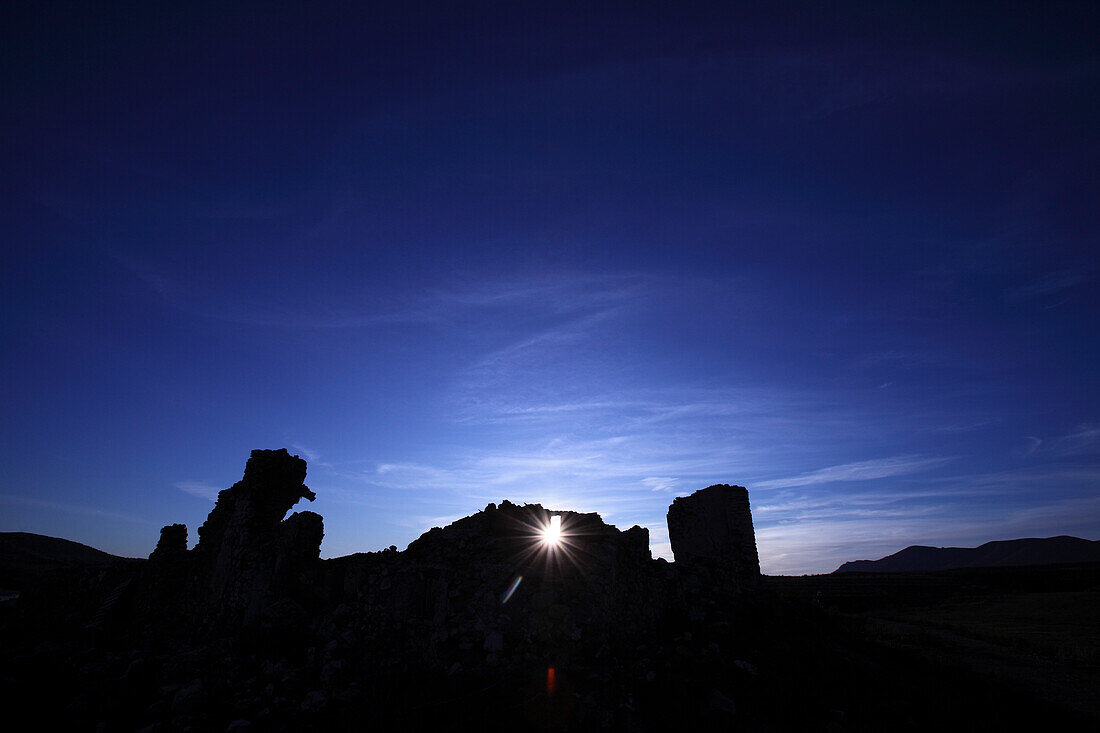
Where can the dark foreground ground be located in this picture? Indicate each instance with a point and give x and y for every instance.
(1008, 649)
(1028, 637)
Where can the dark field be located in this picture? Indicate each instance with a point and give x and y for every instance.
(1033, 633)
(1004, 648)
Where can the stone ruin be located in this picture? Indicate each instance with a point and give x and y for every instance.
(447, 594)
(480, 601)
(713, 527)
(172, 544)
(253, 568)
(247, 552)
(250, 563)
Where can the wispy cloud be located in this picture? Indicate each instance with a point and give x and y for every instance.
(563, 295)
(520, 354)
(1082, 440)
(309, 455)
(1049, 284)
(858, 471)
(661, 483)
(201, 489)
(312, 456)
(70, 508)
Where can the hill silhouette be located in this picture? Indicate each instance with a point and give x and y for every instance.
(25, 557)
(1002, 553)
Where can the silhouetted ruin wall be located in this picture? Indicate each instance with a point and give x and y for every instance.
(247, 554)
(713, 528)
(449, 591)
(447, 596)
(484, 598)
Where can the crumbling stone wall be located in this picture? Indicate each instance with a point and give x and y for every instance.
(446, 598)
(446, 592)
(482, 599)
(712, 528)
(247, 553)
(172, 544)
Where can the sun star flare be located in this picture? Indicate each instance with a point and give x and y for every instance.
(551, 534)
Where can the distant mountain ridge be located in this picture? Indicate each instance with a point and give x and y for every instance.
(24, 556)
(1000, 553)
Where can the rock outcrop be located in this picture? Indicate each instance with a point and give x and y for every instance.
(248, 555)
(172, 544)
(713, 528)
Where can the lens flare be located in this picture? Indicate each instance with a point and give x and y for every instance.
(550, 541)
(511, 589)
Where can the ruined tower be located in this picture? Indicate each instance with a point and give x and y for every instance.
(713, 528)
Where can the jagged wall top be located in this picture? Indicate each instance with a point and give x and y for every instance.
(511, 522)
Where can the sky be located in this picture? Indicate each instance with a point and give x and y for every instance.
(455, 253)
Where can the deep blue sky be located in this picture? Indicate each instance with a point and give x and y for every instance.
(458, 253)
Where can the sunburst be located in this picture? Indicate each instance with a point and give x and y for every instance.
(548, 541)
(551, 533)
